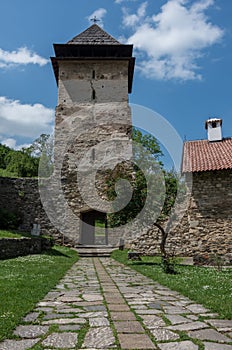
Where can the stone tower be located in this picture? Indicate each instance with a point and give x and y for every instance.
(94, 74)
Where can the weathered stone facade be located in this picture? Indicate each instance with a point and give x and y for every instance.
(92, 127)
(206, 227)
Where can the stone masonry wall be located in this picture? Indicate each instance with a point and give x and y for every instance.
(206, 227)
(21, 196)
(93, 125)
(14, 247)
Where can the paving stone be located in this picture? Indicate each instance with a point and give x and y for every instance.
(49, 304)
(177, 319)
(122, 316)
(87, 303)
(196, 308)
(114, 300)
(131, 296)
(163, 334)
(209, 334)
(68, 310)
(139, 307)
(167, 298)
(184, 345)
(65, 321)
(118, 307)
(135, 341)
(98, 322)
(52, 295)
(18, 344)
(214, 346)
(155, 306)
(148, 312)
(31, 331)
(188, 326)
(61, 340)
(94, 314)
(31, 317)
(92, 297)
(192, 317)
(221, 325)
(53, 316)
(70, 327)
(153, 321)
(95, 308)
(68, 299)
(128, 327)
(45, 309)
(174, 310)
(100, 337)
(165, 291)
(208, 314)
(137, 302)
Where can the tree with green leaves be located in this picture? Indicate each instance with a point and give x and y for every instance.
(146, 155)
(25, 162)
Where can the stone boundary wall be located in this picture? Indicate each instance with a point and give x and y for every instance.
(21, 196)
(205, 229)
(14, 247)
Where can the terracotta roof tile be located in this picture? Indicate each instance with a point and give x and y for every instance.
(94, 35)
(203, 155)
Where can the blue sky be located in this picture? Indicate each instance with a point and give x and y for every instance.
(183, 55)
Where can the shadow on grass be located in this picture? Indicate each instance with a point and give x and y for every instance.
(55, 252)
(168, 269)
(147, 263)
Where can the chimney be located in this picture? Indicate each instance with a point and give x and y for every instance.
(214, 129)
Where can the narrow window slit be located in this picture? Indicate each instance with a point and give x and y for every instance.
(93, 154)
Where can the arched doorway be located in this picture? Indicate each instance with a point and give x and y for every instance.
(93, 230)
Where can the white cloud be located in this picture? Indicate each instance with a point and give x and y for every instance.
(134, 19)
(21, 56)
(24, 120)
(9, 142)
(99, 15)
(173, 40)
(12, 144)
(120, 1)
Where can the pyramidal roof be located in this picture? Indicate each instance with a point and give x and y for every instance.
(94, 35)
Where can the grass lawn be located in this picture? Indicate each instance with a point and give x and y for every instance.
(206, 286)
(26, 280)
(10, 234)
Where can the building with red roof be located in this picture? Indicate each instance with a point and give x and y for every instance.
(209, 216)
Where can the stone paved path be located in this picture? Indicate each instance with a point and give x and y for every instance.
(101, 304)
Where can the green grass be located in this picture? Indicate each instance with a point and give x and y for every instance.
(206, 286)
(26, 280)
(10, 234)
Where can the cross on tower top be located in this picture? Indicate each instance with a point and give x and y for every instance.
(95, 20)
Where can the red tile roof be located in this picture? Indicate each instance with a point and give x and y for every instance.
(203, 155)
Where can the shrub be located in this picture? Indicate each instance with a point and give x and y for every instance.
(8, 219)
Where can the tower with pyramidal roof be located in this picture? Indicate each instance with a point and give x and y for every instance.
(94, 74)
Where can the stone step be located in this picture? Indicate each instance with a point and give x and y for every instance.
(91, 251)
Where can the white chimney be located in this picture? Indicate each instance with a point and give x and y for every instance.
(214, 129)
